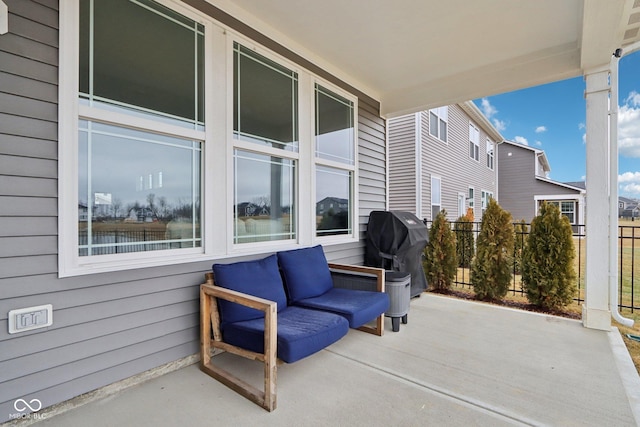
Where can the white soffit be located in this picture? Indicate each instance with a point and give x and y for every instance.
(416, 54)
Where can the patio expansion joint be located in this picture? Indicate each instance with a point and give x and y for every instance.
(467, 401)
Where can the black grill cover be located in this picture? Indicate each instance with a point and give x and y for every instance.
(395, 241)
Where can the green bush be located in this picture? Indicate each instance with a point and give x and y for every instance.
(465, 244)
(491, 267)
(548, 274)
(519, 243)
(440, 254)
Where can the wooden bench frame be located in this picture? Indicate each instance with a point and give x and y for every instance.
(211, 335)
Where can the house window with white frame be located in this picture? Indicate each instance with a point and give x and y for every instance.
(567, 208)
(436, 196)
(276, 141)
(490, 154)
(139, 189)
(438, 122)
(265, 130)
(470, 198)
(335, 160)
(474, 142)
(485, 197)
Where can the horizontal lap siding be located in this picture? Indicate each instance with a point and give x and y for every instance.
(402, 163)
(109, 326)
(451, 161)
(517, 181)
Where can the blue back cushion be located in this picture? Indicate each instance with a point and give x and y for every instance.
(306, 272)
(260, 278)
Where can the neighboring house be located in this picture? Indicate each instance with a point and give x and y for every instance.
(196, 106)
(332, 204)
(628, 208)
(525, 184)
(444, 158)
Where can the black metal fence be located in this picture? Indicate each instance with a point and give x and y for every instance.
(628, 258)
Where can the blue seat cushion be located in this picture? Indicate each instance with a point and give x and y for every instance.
(358, 307)
(260, 278)
(301, 332)
(306, 272)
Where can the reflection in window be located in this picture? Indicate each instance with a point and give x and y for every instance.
(137, 191)
(263, 198)
(333, 201)
(334, 126)
(265, 100)
(139, 55)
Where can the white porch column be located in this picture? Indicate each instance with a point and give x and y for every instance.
(595, 310)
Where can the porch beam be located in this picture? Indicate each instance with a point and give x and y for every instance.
(595, 310)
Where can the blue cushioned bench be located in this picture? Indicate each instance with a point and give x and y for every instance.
(249, 310)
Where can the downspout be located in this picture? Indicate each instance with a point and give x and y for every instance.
(613, 194)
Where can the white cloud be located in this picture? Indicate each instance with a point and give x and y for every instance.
(538, 143)
(584, 138)
(633, 99)
(629, 184)
(632, 190)
(488, 109)
(582, 126)
(541, 129)
(629, 177)
(521, 140)
(629, 126)
(500, 125)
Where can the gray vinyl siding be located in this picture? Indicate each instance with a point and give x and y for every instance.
(518, 183)
(402, 163)
(452, 163)
(448, 160)
(108, 326)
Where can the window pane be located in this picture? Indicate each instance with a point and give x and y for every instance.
(151, 60)
(433, 124)
(436, 193)
(264, 203)
(136, 191)
(443, 130)
(334, 126)
(333, 201)
(265, 100)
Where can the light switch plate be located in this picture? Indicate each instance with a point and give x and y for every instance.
(27, 319)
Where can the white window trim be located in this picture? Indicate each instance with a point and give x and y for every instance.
(464, 203)
(439, 113)
(578, 199)
(217, 155)
(317, 161)
(471, 201)
(70, 112)
(492, 155)
(432, 204)
(475, 143)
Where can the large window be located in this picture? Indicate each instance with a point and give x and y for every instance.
(265, 114)
(183, 141)
(490, 154)
(474, 142)
(438, 122)
(334, 157)
(138, 190)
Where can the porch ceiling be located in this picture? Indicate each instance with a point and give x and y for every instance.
(416, 54)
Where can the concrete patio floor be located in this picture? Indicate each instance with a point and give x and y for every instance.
(455, 363)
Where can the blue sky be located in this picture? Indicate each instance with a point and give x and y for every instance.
(552, 117)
